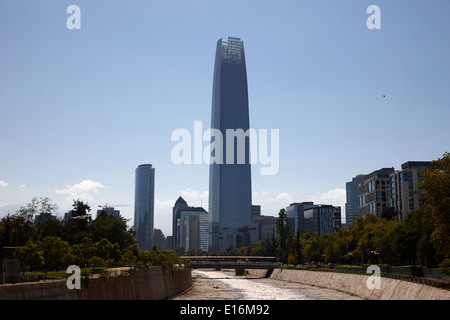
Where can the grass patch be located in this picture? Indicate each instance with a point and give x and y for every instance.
(59, 274)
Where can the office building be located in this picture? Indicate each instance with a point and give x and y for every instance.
(110, 211)
(374, 192)
(230, 194)
(190, 226)
(405, 194)
(267, 226)
(322, 219)
(144, 200)
(295, 214)
(180, 204)
(44, 217)
(238, 237)
(256, 211)
(196, 231)
(352, 200)
(183, 221)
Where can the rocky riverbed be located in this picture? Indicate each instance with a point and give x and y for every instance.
(225, 285)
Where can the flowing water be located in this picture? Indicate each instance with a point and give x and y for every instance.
(244, 288)
(224, 285)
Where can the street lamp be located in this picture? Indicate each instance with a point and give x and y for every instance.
(376, 254)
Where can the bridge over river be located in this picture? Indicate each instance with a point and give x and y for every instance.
(232, 262)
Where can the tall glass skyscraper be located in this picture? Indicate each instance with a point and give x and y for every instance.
(144, 200)
(230, 194)
(352, 199)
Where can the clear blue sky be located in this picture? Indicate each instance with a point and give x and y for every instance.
(81, 109)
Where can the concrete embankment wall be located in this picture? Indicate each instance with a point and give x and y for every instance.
(355, 284)
(146, 284)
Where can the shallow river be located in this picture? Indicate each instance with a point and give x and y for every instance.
(224, 285)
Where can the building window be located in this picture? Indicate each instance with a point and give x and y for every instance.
(370, 185)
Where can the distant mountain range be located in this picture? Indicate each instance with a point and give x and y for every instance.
(11, 209)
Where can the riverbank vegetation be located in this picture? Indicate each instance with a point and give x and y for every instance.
(49, 243)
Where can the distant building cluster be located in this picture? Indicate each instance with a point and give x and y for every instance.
(385, 191)
(232, 220)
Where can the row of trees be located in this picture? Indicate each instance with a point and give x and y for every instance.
(367, 240)
(19, 228)
(53, 253)
(51, 243)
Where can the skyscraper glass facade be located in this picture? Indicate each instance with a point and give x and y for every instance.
(406, 196)
(144, 205)
(230, 196)
(323, 219)
(352, 200)
(295, 213)
(180, 204)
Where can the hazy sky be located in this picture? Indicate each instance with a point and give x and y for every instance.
(81, 109)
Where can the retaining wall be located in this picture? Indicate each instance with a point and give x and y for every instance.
(355, 284)
(152, 283)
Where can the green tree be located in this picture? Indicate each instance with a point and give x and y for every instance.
(128, 258)
(16, 229)
(335, 246)
(54, 249)
(296, 256)
(366, 235)
(77, 227)
(426, 252)
(436, 183)
(266, 247)
(80, 209)
(84, 251)
(41, 207)
(104, 249)
(405, 239)
(383, 241)
(43, 212)
(164, 259)
(130, 255)
(49, 227)
(114, 229)
(284, 233)
(311, 246)
(30, 255)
